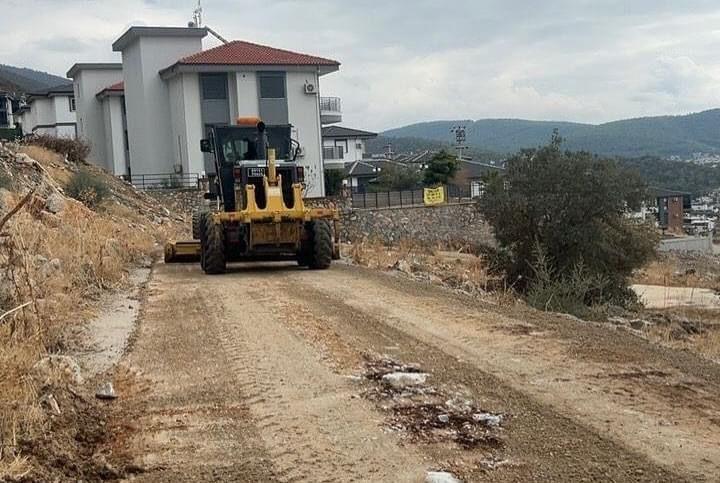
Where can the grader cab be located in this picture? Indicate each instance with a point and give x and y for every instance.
(258, 213)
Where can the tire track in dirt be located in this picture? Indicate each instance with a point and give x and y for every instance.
(179, 416)
(541, 444)
(312, 427)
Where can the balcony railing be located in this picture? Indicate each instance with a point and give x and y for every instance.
(333, 152)
(330, 104)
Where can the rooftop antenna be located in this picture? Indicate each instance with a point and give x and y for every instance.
(197, 15)
(197, 22)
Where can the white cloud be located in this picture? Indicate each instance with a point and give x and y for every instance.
(404, 62)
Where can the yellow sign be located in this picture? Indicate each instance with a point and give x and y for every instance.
(434, 196)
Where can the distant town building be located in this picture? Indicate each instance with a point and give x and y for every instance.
(342, 145)
(671, 209)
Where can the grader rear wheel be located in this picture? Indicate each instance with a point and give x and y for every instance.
(213, 249)
(197, 227)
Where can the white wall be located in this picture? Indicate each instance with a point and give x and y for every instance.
(185, 121)
(153, 139)
(193, 122)
(90, 116)
(246, 95)
(304, 114)
(43, 115)
(63, 114)
(113, 127)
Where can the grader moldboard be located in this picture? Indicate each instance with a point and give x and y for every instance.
(259, 213)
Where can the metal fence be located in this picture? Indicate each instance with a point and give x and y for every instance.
(166, 181)
(333, 152)
(399, 199)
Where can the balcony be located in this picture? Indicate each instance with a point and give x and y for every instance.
(330, 110)
(333, 153)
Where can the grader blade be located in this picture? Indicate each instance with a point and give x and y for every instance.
(182, 252)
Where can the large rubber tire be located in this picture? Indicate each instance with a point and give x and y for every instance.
(202, 228)
(213, 248)
(196, 230)
(321, 245)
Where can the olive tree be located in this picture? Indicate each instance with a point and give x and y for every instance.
(561, 217)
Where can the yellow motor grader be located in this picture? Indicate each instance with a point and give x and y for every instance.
(259, 213)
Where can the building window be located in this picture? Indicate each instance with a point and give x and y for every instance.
(214, 86)
(272, 85)
(342, 144)
(71, 101)
(358, 145)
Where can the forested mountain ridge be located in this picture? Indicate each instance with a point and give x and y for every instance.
(662, 136)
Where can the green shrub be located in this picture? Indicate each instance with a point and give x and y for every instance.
(87, 187)
(574, 206)
(76, 150)
(333, 181)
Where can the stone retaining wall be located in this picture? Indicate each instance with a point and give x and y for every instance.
(454, 224)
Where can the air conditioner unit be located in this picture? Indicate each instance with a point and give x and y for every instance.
(310, 88)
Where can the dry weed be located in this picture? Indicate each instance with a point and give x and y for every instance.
(455, 269)
(694, 329)
(58, 264)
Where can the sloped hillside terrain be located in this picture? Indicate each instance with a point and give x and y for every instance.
(23, 80)
(58, 258)
(659, 136)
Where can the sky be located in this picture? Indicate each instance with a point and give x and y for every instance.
(411, 61)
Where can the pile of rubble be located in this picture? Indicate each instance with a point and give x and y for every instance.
(425, 414)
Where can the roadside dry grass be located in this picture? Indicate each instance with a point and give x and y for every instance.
(681, 270)
(54, 267)
(688, 328)
(455, 269)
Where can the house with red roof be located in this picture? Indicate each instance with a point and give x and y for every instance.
(149, 116)
(94, 118)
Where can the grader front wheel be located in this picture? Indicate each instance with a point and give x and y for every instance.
(321, 248)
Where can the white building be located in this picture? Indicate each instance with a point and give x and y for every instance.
(173, 92)
(89, 80)
(51, 111)
(344, 145)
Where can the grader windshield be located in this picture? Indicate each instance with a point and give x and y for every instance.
(236, 144)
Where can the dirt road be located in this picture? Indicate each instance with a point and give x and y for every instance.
(270, 373)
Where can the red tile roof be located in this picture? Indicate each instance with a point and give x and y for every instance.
(116, 88)
(239, 52)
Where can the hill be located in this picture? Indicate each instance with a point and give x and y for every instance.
(24, 80)
(657, 136)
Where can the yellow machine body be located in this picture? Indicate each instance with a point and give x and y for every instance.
(275, 224)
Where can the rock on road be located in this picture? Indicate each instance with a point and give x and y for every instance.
(255, 375)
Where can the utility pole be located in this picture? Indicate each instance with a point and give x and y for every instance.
(459, 132)
(389, 151)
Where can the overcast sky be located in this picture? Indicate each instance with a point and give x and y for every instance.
(410, 61)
